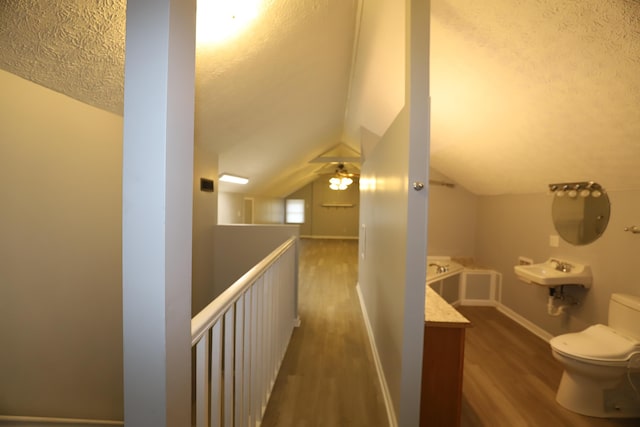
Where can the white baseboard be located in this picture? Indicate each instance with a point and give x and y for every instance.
(330, 237)
(530, 326)
(478, 303)
(14, 421)
(388, 403)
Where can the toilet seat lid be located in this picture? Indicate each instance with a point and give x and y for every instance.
(597, 342)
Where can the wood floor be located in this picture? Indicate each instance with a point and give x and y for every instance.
(511, 378)
(328, 377)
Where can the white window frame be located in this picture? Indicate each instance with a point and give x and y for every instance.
(294, 211)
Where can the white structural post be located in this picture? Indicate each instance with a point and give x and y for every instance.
(417, 105)
(157, 211)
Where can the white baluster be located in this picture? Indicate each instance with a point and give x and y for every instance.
(229, 334)
(202, 381)
(216, 374)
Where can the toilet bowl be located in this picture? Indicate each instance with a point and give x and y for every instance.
(601, 375)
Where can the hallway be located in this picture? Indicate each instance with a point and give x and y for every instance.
(328, 377)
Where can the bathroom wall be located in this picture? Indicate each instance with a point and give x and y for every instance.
(452, 219)
(513, 225)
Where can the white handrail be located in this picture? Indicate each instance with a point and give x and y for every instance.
(240, 340)
(209, 315)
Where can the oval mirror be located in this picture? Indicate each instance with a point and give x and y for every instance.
(581, 216)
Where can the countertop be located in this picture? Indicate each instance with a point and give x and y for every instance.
(439, 313)
(470, 264)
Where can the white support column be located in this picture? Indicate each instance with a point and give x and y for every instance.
(417, 103)
(157, 211)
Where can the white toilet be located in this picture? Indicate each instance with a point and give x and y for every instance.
(601, 375)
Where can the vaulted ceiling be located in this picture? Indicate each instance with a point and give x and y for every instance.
(523, 92)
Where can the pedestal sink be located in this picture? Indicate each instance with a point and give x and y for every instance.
(555, 272)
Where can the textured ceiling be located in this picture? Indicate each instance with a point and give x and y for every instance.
(524, 92)
(267, 102)
(75, 47)
(275, 98)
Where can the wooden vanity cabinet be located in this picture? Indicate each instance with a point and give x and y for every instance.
(442, 362)
(442, 368)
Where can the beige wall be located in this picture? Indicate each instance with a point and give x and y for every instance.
(60, 257)
(389, 96)
(377, 90)
(205, 218)
(61, 253)
(234, 257)
(383, 250)
(452, 219)
(266, 210)
(230, 208)
(327, 221)
(510, 226)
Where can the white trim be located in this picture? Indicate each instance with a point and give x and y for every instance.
(388, 403)
(491, 301)
(45, 421)
(530, 326)
(330, 237)
(478, 303)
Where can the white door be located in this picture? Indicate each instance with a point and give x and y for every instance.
(248, 211)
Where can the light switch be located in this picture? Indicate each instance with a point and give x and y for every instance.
(554, 240)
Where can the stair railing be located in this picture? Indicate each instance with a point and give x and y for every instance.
(240, 340)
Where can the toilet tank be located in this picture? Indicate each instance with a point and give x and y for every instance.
(624, 314)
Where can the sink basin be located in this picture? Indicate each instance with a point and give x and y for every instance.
(549, 274)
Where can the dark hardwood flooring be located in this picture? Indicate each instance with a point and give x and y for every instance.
(328, 377)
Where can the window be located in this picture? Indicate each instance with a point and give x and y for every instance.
(294, 212)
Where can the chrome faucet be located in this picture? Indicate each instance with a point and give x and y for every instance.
(565, 267)
(440, 268)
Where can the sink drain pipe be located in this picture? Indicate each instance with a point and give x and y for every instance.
(552, 310)
(633, 373)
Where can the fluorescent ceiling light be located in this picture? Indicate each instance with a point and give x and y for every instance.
(235, 179)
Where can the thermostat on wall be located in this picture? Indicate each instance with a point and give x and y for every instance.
(206, 185)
